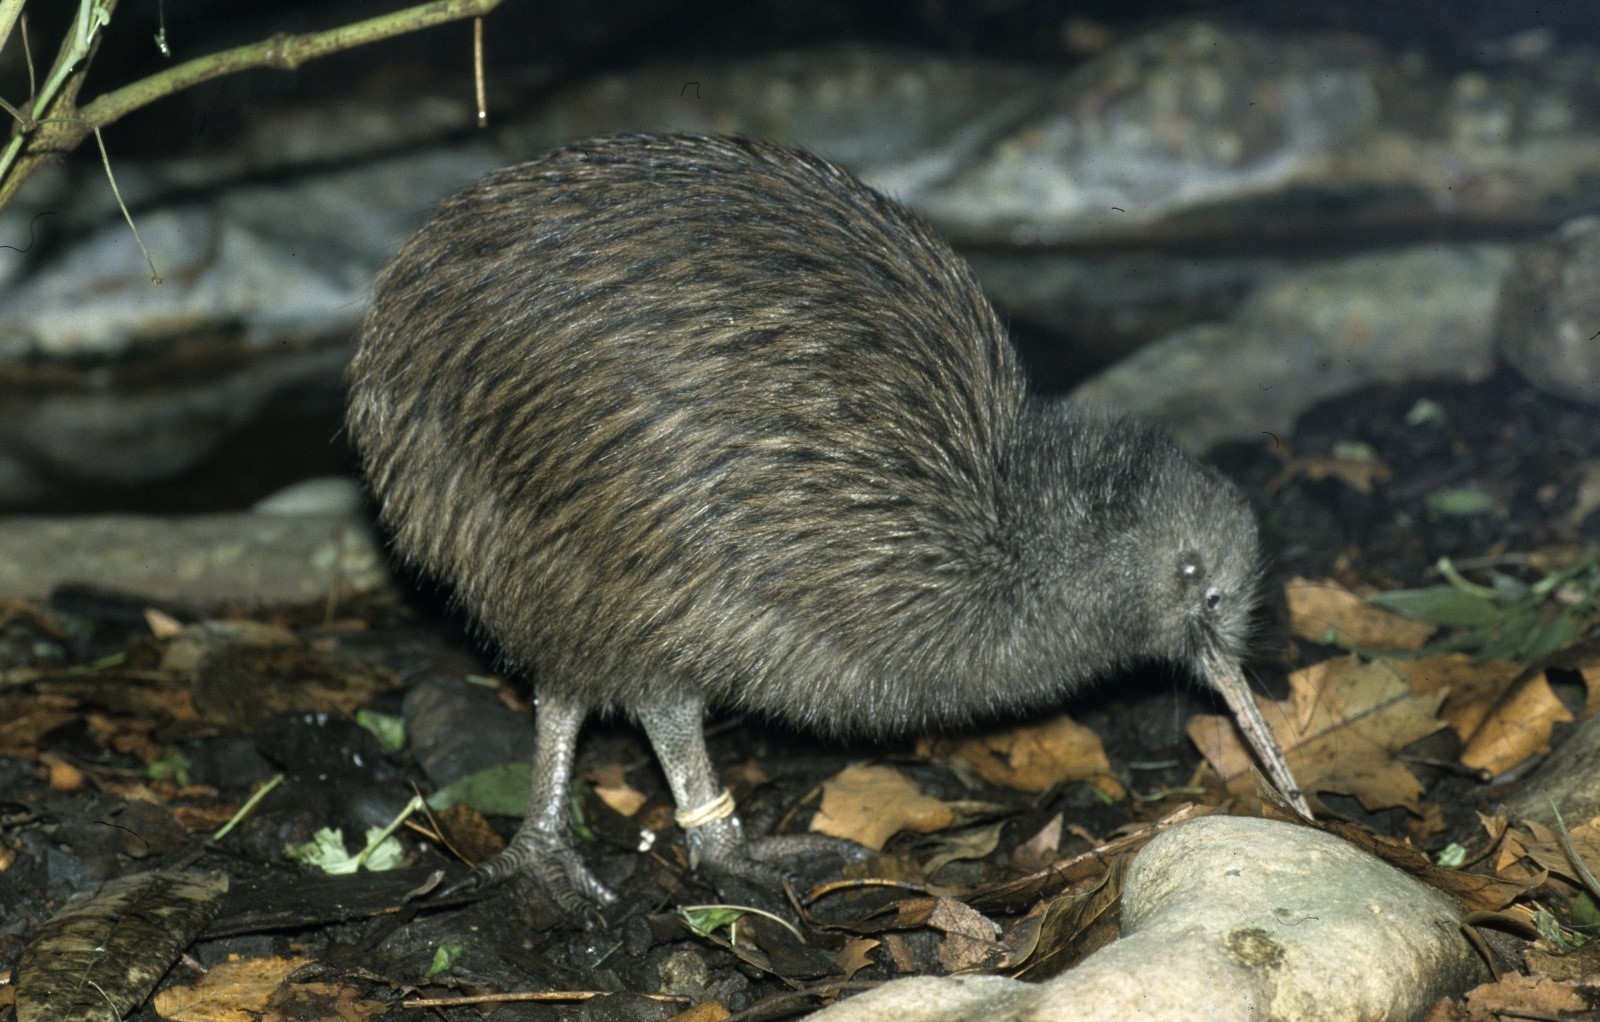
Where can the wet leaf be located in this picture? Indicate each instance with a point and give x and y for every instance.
(101, 956)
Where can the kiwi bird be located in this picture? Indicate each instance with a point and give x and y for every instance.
(691, 421)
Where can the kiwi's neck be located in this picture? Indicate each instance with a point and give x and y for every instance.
(1049, 602)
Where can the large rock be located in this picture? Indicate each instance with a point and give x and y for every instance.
(1548, 327)
(1231, 918)
(1311, 334)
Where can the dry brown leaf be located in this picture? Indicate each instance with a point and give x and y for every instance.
(326, 1002)
(870, 804)
(1525, 997)
(610, 782)
(705, 1011)
(1318, 608)
(1590, 671)
(855, 955)
(231, 991)
(1340, 727)
(1041, 849)
(1519, 728)
(1543, 845)
(1357, 473)
(25, 719)
(972, 939)
(1033, 758)
(1474, 686)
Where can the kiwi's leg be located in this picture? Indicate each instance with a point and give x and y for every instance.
(715, 837)
(542, 848)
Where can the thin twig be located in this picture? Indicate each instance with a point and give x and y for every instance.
(105, 159)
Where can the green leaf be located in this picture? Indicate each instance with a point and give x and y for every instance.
(1440, 605)
(1549, 636)
(1354, 450)
(708, 919)
(1426, 410)
(1514, 633)
(325, 851)
(1451, 855)
(1585, 913)
(1458, 502)
(1508, 589)
(498, 791)
(444, 956)
(174, 766)
(388, 729)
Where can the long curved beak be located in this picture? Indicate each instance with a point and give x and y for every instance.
(1223, 671)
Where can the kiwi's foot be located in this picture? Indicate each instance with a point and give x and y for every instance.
(795, 847)
(551, 863)
(749, 872)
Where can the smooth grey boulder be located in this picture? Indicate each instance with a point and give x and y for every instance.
(1231, 918)
(1548, 327)
(195, 561)
(1311, 334)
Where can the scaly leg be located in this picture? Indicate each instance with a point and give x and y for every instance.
(542, 847)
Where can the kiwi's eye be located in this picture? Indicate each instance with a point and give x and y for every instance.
(1213, 599)
(1188, 569)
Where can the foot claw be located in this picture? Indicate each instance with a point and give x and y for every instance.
(553, 866)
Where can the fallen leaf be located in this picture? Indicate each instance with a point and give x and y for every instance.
(1516, 995)
(1543, 845)
(1518, 729)
(1033, 758)
(335, 1002)
(972, 939)
(1059, 932)
(706, 1011)
(855, 955)
(611, 785)
(231, 991)
(1041, 849)
(1589, 669)
(103, 953)
(1324, 611)
(1358, 473)
(1473, 686)
(1340, 728)
(869, 804)
(970, 844)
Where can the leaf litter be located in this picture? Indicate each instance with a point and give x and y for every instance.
(988, 855)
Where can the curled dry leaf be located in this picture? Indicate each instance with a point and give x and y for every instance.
(869, 804)
(1340, 728)
(1320, 611)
